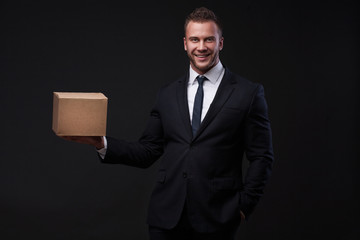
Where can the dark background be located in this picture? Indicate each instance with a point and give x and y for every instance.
(306, 54)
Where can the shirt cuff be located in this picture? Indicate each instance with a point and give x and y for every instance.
(102, 151)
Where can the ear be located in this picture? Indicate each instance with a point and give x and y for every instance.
(221, 43)
(185, 43)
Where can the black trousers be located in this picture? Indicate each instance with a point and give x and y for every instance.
(184, 231)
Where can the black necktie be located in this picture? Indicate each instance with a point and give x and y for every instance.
(198, 102)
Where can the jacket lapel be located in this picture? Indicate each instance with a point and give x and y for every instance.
(223, 93)
(181, 95)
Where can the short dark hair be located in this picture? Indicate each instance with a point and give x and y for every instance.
(201, 15)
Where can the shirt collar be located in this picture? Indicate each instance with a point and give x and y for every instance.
(212, 75)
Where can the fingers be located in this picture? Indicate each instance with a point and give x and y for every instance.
(242, 215)
(96, 141)
(68, 138)
(78, 139)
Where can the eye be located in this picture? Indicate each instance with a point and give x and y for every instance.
(210, 39)
(194, 39)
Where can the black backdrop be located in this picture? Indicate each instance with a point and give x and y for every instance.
(305, 54)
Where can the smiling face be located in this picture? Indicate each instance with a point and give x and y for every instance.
(203, 42)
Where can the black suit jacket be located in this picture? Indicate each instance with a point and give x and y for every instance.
(205, 170)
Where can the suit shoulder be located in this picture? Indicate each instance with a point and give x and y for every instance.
(244, 82)
(173, 84)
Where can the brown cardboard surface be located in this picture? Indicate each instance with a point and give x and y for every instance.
(79, 114)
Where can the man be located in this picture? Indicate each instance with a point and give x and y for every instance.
(201, 126)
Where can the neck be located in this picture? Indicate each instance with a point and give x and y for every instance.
(202, 72)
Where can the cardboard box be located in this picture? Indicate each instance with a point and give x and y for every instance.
(79, 114)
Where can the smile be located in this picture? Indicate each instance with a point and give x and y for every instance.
(202, 56)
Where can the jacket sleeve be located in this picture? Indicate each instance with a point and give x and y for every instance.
(142, 153)
(258, 150)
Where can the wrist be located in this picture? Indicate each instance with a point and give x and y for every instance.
(99, 144)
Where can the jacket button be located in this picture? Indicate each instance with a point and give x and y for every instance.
(184, 174)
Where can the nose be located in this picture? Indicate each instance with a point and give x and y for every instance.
(202, 46)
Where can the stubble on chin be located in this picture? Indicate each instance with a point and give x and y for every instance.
(203, 68)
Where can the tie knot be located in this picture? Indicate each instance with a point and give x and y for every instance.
(201, 79)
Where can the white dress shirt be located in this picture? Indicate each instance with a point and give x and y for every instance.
(210, 87)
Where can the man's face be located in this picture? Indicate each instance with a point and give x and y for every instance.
(203, 43)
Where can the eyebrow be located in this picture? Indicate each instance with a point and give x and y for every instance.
(194, 37)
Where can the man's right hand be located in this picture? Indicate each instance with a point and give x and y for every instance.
(96, 141)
